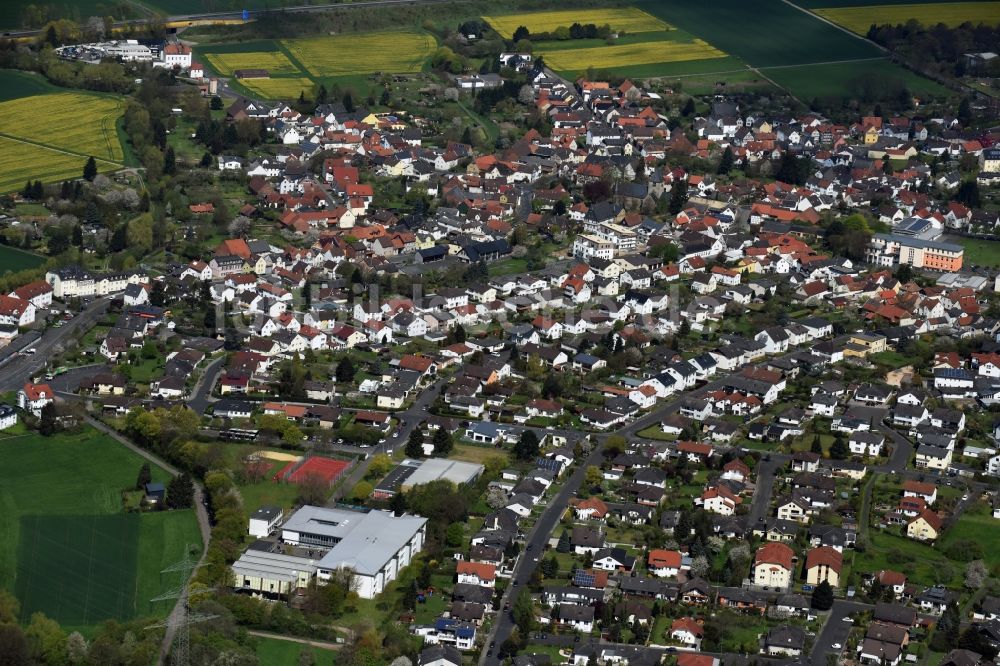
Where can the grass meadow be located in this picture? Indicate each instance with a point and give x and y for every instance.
(66, 546)
(276, 652)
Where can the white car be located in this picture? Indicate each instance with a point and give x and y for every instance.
(965, 498)
(836, 646)
(848, 618)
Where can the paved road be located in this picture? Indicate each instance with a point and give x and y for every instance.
(408, 420)
(20, 369)
(201, 396)
(766, 475)
(835, 630)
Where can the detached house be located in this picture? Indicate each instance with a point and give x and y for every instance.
(33, 397)
(773, 565)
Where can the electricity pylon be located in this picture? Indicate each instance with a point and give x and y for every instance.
(178, 626)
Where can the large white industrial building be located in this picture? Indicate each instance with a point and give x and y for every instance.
(375, 545)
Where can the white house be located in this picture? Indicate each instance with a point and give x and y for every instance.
(8, 417)
(866, 443)
(33, 397)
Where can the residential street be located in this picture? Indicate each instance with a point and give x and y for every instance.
(16, 370)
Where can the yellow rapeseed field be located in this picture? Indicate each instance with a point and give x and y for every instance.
(626, 19)
(24, 161)
(622, 55)
(283, 88)
(364, 53)
(859, 19)
(272, 61)
(76, 122)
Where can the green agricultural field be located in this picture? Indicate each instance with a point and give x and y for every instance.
(13, 13)
(180, 7)
(859, 19)
(86, 123)
(620, 56)
(363, 53)
(78, 570)
(845, 79)
(66, 547)
(820, 4)
(28, 161)
(275, 62)
(32, 151)
(763, 34)
(14, 84)
(625, 19)
(13, 260)
(288, 88)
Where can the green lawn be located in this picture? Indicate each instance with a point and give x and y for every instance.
(268, 492)
(979, 252)
(75, 480)
(921, 563)
(12, 259)
(977, 524)
(276, 652)
(509, 266)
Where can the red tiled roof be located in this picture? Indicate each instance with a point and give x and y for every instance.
(775, 553)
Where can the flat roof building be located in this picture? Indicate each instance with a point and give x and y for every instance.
(432, 469)
(375, 545)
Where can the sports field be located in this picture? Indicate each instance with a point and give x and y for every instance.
(859, 19)
(625, 19)
(12, 259)
(66, 546)
(280, 88)
(274, 62)
(397, 52)
(624, 55)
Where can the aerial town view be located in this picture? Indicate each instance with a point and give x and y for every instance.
(499, 332)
